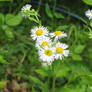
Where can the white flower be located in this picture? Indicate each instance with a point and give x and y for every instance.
(39, 32)
(47, 55)
(25, 8)
(43, 42)
(61, 50)
(88, 13)
(58, 35)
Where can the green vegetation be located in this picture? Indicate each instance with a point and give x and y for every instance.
(20, 67)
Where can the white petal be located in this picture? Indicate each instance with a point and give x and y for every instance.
(66, 52)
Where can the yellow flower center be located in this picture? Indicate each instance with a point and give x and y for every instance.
(57, 33)
(91, 11)
(45, 43)
(48, 52)
(59, 50)
(39, 32)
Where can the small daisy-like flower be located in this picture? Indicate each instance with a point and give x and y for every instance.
(58, 35)
(61, 50)
(88, 13)
(47, 55)
(43, 41)
(39, 32)
(25, 9)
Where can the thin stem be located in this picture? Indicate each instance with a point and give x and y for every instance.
(32, 19)
(48, 84)
(54, 78)
(38, 20)
(89, 29)
(54, 6)
(23, 57)
(73, 29)
(53, 84)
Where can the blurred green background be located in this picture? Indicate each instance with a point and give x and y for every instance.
(20, 67)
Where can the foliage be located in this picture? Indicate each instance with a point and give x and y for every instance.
(19, 62)
(89, 2)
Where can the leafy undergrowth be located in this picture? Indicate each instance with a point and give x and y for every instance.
(20, 67)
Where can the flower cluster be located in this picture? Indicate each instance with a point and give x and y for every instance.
(25, 9)
(30, 13)
(48, 44)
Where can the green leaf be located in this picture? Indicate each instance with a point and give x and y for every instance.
(87, 80)
(61, 72)
(71, 89)
(2, 60)
(76, 57)
(42, 72)
(63, 27)
(48, 11)
(79, 49)
(89, 2)
(33, 89)
(58, 15)
(1, 19)
(89, 89)
(45, 87)
(13, 20)
(2, 84)
(8, 32)
(35, 80)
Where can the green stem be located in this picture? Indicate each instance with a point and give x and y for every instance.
(73, 29)
(53, 84)
(48, 84)
(38, 20)
(89, 29)
(54, 6)
(33, 20)
(23, 58)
